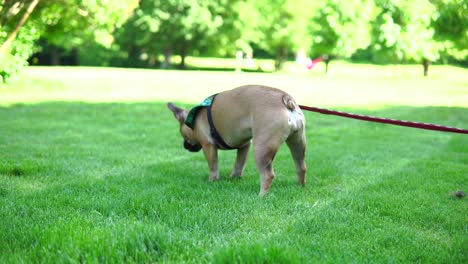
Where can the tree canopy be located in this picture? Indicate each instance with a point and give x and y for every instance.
(339, 28)
(63, 23)
(451, 27)
(138, 32)
(173, 26)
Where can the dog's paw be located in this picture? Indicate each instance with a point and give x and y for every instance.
(213, 178)
(235, 175)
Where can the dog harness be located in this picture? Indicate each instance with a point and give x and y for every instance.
(190, 121)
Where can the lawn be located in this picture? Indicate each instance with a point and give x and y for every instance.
(92, 169)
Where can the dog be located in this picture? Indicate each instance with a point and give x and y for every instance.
(252, 114)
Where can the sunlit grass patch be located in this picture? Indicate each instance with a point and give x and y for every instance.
(92, 169)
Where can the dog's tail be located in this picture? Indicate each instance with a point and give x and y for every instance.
(289, 102)
(296, 118)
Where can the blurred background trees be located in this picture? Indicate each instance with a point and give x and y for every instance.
(148, 33)
(339, 28)
(54, 29)
(403, 32)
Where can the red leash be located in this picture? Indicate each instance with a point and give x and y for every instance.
(386, 120)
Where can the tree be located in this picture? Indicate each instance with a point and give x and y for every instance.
(339, 28)
(170, 27)
(236, 31)
(403, 32)
(279, 26)
(450, 25)
(5, 15)
(16, 38)
(63, 23)
(68, 24)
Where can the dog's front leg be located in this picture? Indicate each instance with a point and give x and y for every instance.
(241, 159)
(211, 155)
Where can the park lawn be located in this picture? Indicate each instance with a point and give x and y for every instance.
(92, 169)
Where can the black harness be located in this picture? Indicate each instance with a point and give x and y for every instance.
(213, 132)
(190, 121)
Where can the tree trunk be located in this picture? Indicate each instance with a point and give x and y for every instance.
(54, 55)
(183, 55)
(6, 45)
(426, 64)
(182, 61)
(151, 60)
(327, 60)
(281, 56)
(133, 59)
(167, 59)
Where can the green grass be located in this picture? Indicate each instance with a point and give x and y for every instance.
(92, 169)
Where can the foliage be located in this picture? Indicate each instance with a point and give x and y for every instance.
(451, 28)
(66, 22)
(278, 27)
(173, 26)
(62, 23)
(383, 31)
(226, 40)
(339, 28)
(12, 61)
(14, 57)
(403, 31)
(70, 24)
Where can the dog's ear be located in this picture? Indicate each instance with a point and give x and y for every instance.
(179, 113)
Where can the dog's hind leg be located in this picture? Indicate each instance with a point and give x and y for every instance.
(264, 155)
(241, 159)
(297, 145)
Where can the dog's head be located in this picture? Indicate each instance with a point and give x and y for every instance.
(190, 142)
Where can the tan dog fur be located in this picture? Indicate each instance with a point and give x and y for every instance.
(265, 116)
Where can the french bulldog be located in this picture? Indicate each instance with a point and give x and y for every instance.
(253, 114)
